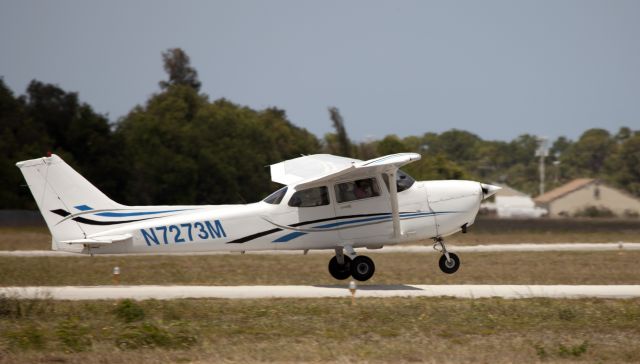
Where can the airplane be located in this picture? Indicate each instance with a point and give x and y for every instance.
(327, 202)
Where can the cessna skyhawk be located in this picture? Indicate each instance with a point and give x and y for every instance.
(328, 202)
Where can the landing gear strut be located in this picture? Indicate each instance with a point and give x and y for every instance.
(341, 267)
(449, 262)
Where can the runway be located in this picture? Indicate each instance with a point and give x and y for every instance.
(422, 249)
(256, 292)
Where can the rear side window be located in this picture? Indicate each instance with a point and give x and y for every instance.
(317, 196)
(357, 190)
(276, 197)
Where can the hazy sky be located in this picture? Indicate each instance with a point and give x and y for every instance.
(495, 68)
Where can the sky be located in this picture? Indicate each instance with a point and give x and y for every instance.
(498, 69)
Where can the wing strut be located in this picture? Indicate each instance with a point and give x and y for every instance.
(393, 194)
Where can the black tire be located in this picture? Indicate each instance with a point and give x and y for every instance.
(362, 268)
(450, 267)
(338, 271)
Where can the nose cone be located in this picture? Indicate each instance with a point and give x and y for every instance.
(489, 190)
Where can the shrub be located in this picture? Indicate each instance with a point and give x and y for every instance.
(26, 338)
(575, 350)
(129, 311)
(594, 211)
(73, 336)
(567, 314)
(16, 307)
(148, 335)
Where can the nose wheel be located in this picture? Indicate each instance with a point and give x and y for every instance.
(449, 266)
(449, 262)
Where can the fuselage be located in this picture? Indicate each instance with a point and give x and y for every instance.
(428, 209)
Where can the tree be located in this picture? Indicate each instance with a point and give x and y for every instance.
(341, 137)
(188, 150)
(623, 134)
(177, 65)
(587, 157)
(49, 119)
(20, 139)
(77, 133)
(435, 167)
(627, 174)
(457, 145)
(391, 144)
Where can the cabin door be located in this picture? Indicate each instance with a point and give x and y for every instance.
(363, 211)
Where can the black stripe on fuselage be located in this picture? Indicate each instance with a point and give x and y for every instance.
(83, 220)
(254, 236)
(267, 232)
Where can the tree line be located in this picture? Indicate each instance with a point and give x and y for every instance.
(180, 147)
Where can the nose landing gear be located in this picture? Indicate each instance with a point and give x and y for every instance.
(449, 262)
(341, 267)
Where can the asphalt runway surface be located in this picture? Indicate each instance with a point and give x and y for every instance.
(255, 292)
(387, 249)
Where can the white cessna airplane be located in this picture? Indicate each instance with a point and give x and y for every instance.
(328, 202)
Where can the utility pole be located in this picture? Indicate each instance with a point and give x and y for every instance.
(542, 152)
(556, 163)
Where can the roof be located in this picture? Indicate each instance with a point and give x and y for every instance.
(558, 192)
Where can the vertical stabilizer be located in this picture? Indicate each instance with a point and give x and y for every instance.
(61, 193)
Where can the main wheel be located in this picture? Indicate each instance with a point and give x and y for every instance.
(362, 268)
(451, 266)
(338, 271)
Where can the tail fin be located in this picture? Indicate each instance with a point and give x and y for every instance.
(61, 194)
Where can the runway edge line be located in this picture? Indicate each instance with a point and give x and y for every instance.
(258, 292)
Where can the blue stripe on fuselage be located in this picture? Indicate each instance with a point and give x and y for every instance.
(122, 214)
(125, 214)
(405, 215)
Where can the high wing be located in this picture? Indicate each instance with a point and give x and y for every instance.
(312, 169)
(318, 168)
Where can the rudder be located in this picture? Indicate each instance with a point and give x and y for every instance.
(59, 192)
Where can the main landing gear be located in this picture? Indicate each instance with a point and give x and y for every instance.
(449, 262)
(359, 267)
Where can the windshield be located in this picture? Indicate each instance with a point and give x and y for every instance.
(276, 197)
(403, 181)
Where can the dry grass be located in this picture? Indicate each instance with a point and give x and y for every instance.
(490, 268)
(25, 238)
(541, 237)
(322, 330)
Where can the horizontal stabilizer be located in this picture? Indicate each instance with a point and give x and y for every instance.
(99, 240)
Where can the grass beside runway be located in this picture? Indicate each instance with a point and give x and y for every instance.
(321, 330)
(391, 268)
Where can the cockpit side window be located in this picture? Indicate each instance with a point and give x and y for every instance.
(276, 197)
(357, 190)
(403, 181)
(316, 196)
